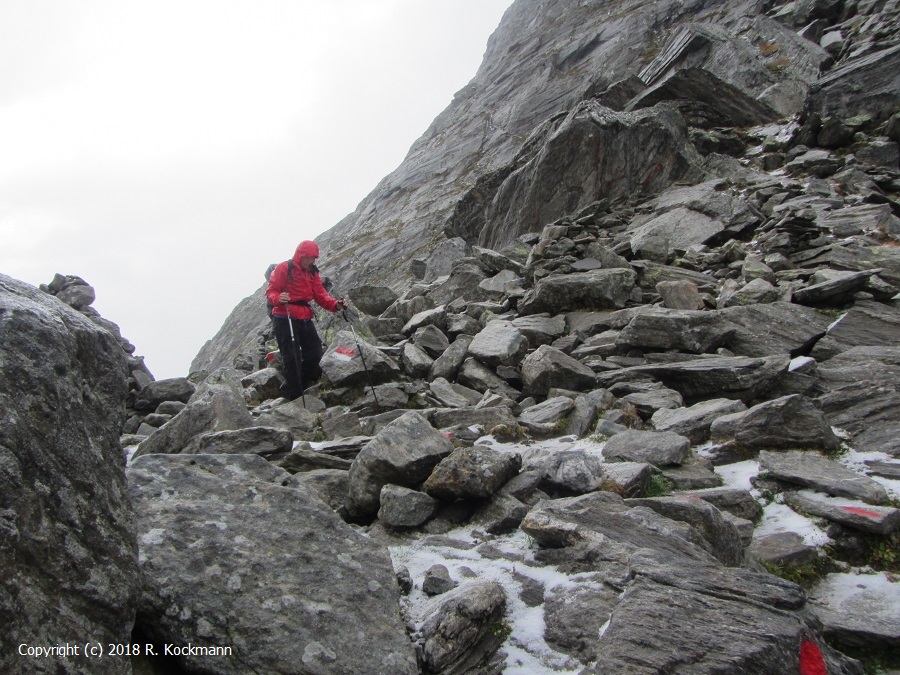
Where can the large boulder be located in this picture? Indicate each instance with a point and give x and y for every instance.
(351, 361)
(773, 328)
(660, 329)
(499, 343)
(784, 423)
(403, 453)
(660, 448)
(458, 630)
(548, 367)
(277, 578)
(68, 552)
(217, 405)
(596, 289)
(471, 473)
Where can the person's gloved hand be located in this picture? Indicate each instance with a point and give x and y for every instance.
(342, 303)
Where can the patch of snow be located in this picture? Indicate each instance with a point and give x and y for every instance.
(799, 362)
(843, 586)
(856, 461)
(526, 649)
(739, 474)
(129, 452)
(779, 517)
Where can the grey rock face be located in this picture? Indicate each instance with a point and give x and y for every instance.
(572, 472)
(238, 337)
(194, 593)
(680, 295)
(291, 416)
(574, 618)
(403, 453)
(540, 330)
(603, 518)
(174, 389)
(783, 548)
(585, 150)
(857, 515)
(733, 377)
(645, 625)
(448, 363)
(862, 396)
(774, 328)
(720, 534)
(873, 79)
(736, 501)
(68, 554)
(787, 422)
(544, 417)
(372, 299)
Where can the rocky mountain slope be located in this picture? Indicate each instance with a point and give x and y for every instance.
(628, 400)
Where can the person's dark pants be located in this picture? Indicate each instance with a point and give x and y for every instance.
(308, 349)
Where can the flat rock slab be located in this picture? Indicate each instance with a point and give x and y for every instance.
(232, 555)
(783, 548)
(773, 328)
(660, 448)
(737, 501)
(859, 609)
(735, 377)
(857, 515)
(812, 470)
(648, 633)
(694, 421)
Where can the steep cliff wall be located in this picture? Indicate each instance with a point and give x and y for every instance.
(545, 56)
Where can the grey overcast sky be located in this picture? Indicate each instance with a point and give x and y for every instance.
(167, 151)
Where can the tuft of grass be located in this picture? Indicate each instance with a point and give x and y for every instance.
(885, 555)
(802, 575)
(660, 486)
(500, 629)
(768, 48)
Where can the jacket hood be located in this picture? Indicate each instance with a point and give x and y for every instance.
(306, 249)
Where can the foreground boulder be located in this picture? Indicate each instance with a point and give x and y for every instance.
(68, 555)
(458, 632)
(403, 453)
(276, 576)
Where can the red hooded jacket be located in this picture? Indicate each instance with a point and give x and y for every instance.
(305, 286)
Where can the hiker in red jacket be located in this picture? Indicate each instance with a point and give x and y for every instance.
(293, 284)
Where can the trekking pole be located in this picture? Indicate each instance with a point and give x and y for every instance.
(297, 358)
(362, 358)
